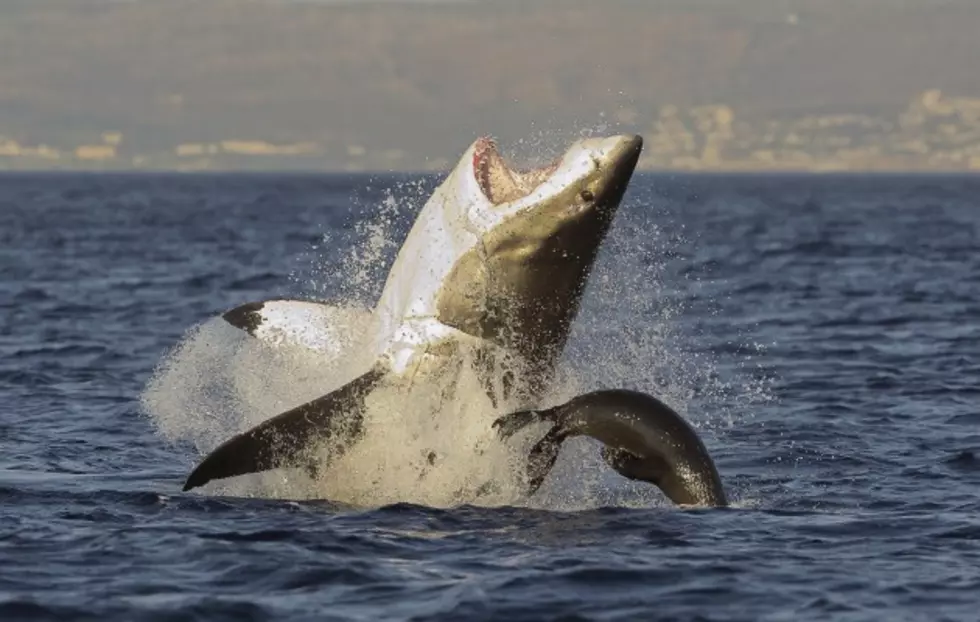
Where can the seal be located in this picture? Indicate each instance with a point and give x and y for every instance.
(489, 280)
(643, 438)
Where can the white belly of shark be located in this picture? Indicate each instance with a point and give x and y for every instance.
(487, 284)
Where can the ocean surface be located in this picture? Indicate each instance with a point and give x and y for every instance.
(821, 333)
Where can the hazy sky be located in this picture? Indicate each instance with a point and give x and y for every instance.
(406, 85)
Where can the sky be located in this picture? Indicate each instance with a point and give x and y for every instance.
(404, 85)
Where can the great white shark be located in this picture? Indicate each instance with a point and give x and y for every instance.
(489, 278)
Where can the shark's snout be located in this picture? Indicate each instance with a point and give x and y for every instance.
(615, 160)
(600, 166)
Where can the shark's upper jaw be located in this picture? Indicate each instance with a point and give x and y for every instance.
(600, 166)
(500, 182)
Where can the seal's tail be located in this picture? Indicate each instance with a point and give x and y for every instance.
(543, 455)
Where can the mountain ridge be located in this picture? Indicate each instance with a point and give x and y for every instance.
(228, 84)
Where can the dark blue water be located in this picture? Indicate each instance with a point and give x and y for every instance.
(826, 329)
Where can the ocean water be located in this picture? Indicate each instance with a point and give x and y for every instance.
(820, 332)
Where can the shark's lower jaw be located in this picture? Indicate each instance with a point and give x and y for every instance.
(500, 182)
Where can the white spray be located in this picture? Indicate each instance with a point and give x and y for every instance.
(219, 382)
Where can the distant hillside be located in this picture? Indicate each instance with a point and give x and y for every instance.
(264, 84)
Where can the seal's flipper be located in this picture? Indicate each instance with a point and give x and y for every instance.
(283, 440)
(650, 469)
(511, 424)
(543, 455)
(681, 488)
(542, 458)
(317, 326)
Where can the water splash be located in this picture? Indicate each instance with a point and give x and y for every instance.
(217, 383)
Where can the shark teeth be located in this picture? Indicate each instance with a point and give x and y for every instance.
(499, 181)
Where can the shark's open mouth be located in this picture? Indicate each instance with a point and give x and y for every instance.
(499, 181)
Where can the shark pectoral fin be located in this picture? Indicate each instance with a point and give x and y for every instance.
(308, 324)
(542, 458)
(284, 439)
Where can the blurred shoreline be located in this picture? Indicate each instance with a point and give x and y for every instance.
(260, 85)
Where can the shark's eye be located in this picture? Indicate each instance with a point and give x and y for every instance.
(587, 195)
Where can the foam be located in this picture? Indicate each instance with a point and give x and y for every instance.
(218, 382)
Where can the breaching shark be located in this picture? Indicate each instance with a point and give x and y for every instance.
(490, 277)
